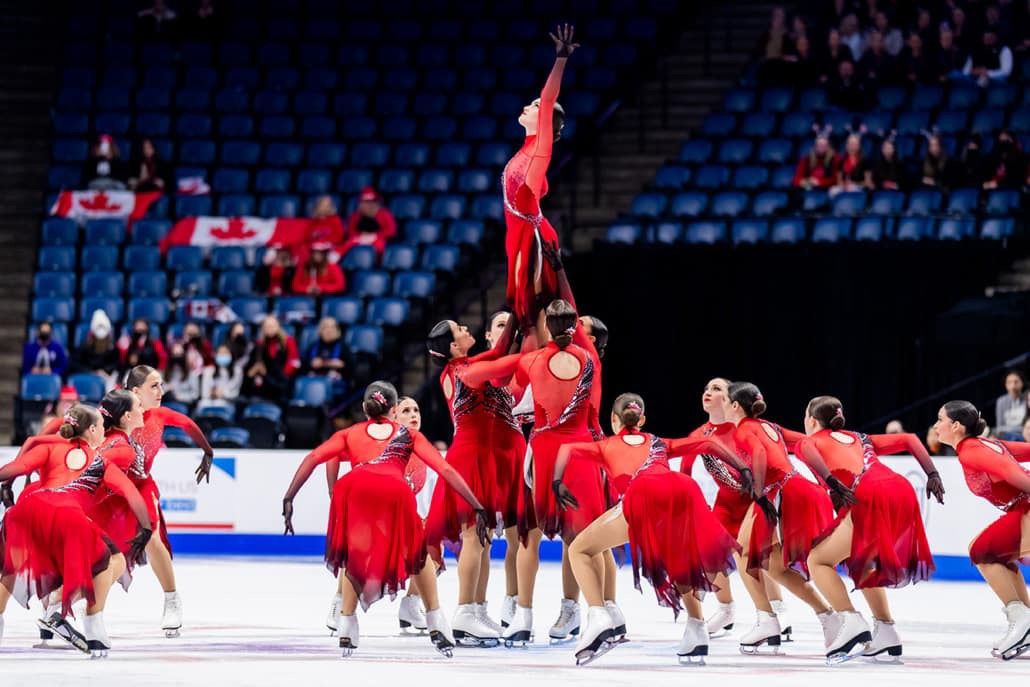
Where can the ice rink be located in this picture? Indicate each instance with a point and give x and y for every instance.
(260, 622)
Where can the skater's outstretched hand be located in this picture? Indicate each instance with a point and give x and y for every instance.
(137, 546)
(935, 487)
(747, 481)
(563, 495)
(552, 254)
(204, 469)
(288, 516)
(769, 508)
(839, 493)
(563, 41)
(483, 527)
(7, 494)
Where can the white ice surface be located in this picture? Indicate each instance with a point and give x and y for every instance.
(260, 622)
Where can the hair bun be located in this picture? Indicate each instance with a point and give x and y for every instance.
(837, 422)
(757, 408)
(981, 426)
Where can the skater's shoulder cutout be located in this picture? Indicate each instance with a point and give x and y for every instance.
(75, 459)
(634, 439)
(379, 430)
(843, 438)
(993, 446)
(770, 431)
(565, 366)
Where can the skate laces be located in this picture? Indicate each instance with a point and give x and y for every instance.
(566, 615)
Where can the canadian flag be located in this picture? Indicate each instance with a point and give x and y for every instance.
(236, 231)
(83, 205)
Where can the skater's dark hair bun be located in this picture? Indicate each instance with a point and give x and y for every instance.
(748, 396)
(137, 376)
(828, 411)
(441, 336)
(561, 322)
(966, 414)
(629, 408)
(115, 405)
(380, 396)
(77, 420)
(599, 330)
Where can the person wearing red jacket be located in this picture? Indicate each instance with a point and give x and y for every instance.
(370, 207)
(272, 364)
(318, 276)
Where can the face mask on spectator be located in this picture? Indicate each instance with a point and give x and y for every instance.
(223, 360)
(44, 335)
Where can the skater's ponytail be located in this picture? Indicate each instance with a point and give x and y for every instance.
(137, 376)
(441, 336)
(828, 411)
(77, 420)
(599, 330)
(380, 396)
(561, 322)
(115, 405)
(748, 396)
(966, 414)
(630, 409)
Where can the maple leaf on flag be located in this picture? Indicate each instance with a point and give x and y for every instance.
(99, 201)
(237, 229)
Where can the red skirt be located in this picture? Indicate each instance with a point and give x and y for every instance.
(30, 488)
(674, 539)
(509, 452)
(1000, 542)
(520, 239)
(805, 513)
(731, 507)
(889, 546)
(375, 533)
(114, 515)
(50, 543)
(583, 478)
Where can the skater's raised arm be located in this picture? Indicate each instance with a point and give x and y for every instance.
(26, 461)
(689, 447)
(537, 171)
(333, 447)
(1020, 450)
(479, 373)
(173, 418)
(905, 442)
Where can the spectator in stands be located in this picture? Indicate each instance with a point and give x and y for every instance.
(318, 276)
(993, 22)
(890, 36)
(203, 24)
(223, 380)
(876, 65)
(836, 52)
(851, 36)
(98, 353)
(855, 173)
(157, 21)
(936, 169)
(1010, 410)
(773, 43)
(969, 170)
(273, 363)
(962, 35)
(924, 27)
(275, 274)
(103, 170)
(949, 58)
(197, 348)
(327, 355)
(888, 172)
(817, 169)
(798, 28)
(847, 90)
(990, 61)
(149, 171)
(238, 342)
(801, 67)
(326, 225)
(914, 65)
(1006, 165)
(370, 205)
(44, 355)
(894, 427)
(835, 11)
(139, 348)
(182, 383)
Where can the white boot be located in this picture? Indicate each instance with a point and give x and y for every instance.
(331, 620)
(593, 641)
(347, 629)
(694, 646)
(851, 640)
(484, 617)
(618, 622)
(721, 621)
(171, 621)
(1017, 639)
(885, 640)
(520, 631)
(96, 635)
(440, 632)
(780, 609)
(58, 625)
(470, 630)
(411, 615)
(830, 621)
(508, 610)
(766, 632)
(567, 624)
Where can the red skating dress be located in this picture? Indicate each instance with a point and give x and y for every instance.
(889, 546)
(992, 471)
(52, 458)
(50, 542)
(523, 185)
(331, 449)
(487, 451)
(112, 511)
(805, 509)
(674, 538)
(731, 504)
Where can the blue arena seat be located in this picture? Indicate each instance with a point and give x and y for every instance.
(236, 205)
(359, 258)
(192, 283)
(236, 125)
(729, 204)
(370, 283)
(666, 232)
(712, 176)
(351, 181)
(400, 256)
(739, 101)
(60, 231)
(103, 284)
(346, 310)
(154, 310)
(963, 201)
(913, 228)
(279, 206)
(232, 100)
(672, 177)
(956, 228)
(90, 387)
(414, 284)
(769, 203)
(105, 232)
(389, 312)
(228, 258)
(776, 99)
(758, 125)
(148, 284)
(453, 154)
(1002, 202)
(250, 309)
(184, 258)
(53, 285)
(441, 257)
(272, 181)
(233, 283)
(56, 258)
(815, 200)
(735, 151)
(689, 204)
(706, 232)
(924, 202)
(750, 177)
(718, 124)
(113, 306)
(240, 153)
(624, 232)
(775, 151)
(435, 181)
(364, 338)
(411, 155)
(788, 230)
(650, 205)
(98, 258)
(141, 258)
(849, 204)
(36, 387)
(997, 228)
(292, 309)
(831, 229)
(319, 154)
(450, 206)
(750, 231)
(467, 232)
(869, 228)
(887, 202)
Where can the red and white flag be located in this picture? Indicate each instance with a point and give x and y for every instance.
(237, 231)
(83, 205)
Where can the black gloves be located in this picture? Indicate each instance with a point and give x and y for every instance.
(563, 495)
(204, 469)
(137, 546)
(769, 508)
(840, 495)
(7, 494)
(934, 486)
(483, 527)
(288, 515)
(747, 480)
(563, 45)
(552, 254)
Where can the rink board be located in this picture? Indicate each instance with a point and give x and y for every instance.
(239, 512)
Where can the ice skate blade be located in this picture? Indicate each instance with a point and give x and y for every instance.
(772, 643)
(724, 632)
(97, 654)
(46, 645)
(441, 643)
(598, 648)
(518, 639)
(855, 647)
(573, 633)
(410, 628)
(347, 647)
(787, 634)
(1016, 651)
(691, 661)
(97, 649)
(887, 656)
(171, 633)
(462, 638)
